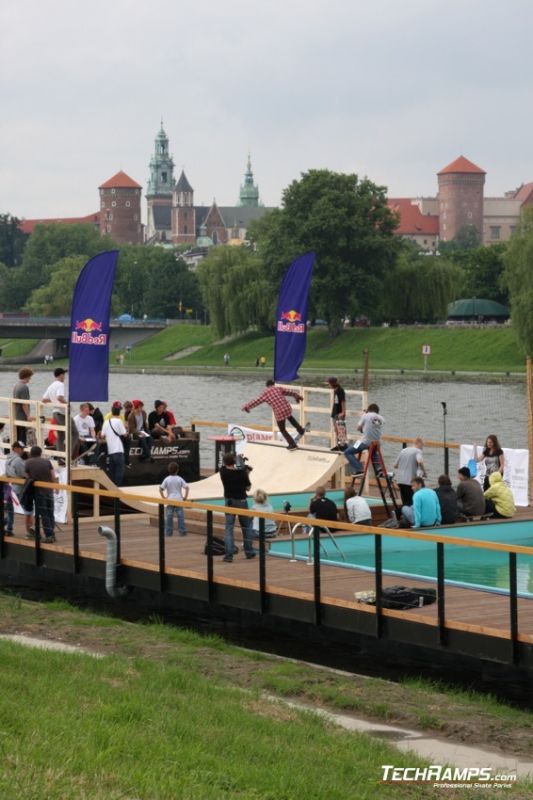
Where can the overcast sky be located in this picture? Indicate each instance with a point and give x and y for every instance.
(392, 90)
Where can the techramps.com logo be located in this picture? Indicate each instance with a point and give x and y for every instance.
(88, 331)
(445, 777)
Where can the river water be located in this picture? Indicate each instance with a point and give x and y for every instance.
(410, 408)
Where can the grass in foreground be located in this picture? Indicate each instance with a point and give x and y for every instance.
(77, 727)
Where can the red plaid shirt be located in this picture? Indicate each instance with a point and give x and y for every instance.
(275, 397)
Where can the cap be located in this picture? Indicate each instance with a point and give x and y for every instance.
(59, 371)
(159, 403)
(137, 403)
(18, 444)
(117, 404)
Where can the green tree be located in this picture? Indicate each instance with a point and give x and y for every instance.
(47, 245)
(484, 268)
(347, 222)
(518, 278)
(421, 287)
(54, 299)
(12, 240)
(235, 289)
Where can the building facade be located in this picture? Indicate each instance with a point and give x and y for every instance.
(120, 209)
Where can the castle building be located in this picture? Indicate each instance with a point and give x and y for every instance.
(120, 209)
(173, 217)
(460, 202)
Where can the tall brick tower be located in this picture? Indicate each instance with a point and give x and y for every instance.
(159, 190)
(460, 198)
(120, 209)
(183, 212)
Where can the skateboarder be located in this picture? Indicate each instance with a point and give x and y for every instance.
(275, 397)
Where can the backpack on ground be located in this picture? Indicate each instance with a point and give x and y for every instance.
(218, 547)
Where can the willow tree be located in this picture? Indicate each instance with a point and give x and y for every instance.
(421, 287)
(519, 279)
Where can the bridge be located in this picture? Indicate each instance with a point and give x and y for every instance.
(56, 330)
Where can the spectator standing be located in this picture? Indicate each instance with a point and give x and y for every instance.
(114, 432)
(493, 457)
(16, 468)
(236, 483)
(338, 413)
(41, 469)
(56, 394)
(174, 488)
(409, 465)
(21, 391)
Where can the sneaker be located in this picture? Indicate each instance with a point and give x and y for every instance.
(228, 559)
(307, 428)
(8, 533)
(183, 533)
(30, 533)
(168, 534)
(251, 555)
(49, 539)
(291, 447)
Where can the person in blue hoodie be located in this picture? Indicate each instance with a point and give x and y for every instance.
(425, 511)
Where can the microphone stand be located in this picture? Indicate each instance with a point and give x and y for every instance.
(446, 451)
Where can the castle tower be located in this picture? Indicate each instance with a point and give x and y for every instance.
(460, 198)
(120, 209)
(159, 190)
(249, 193)
(183, 212)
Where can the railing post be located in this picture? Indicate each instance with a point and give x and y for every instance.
(441, 605)
(75, 534)
(378, 569)
(262, 567)
(513, 609)
(161, 535)
(116, 513)
(316, 575)
(2, 519)
(37, 528)
(210, 571)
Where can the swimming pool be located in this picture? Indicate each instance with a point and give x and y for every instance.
(413, 558)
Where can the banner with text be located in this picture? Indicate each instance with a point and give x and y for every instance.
(291, 319)
(89, 329)
(516, 471)
(60, 495)
(243, 434)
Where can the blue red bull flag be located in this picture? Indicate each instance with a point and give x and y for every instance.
(89, 329)
(291, 318)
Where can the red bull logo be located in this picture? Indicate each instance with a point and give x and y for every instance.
(291, 322)
(90, 333)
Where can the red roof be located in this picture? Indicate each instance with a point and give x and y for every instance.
(27, 225)
(120, 181)
(412, 221)
(525, 193)
(462, 164)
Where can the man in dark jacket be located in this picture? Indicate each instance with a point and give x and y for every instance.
(447, 500)
(41, 469)
(470, 497)
(321, 507)
(236, 483)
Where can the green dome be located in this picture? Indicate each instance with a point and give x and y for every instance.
(476, 307)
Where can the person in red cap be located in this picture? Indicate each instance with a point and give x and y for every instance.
(137, 425)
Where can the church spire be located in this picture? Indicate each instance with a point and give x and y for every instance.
(249, 193)
(161, 181)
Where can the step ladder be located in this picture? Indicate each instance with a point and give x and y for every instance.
(383, 479)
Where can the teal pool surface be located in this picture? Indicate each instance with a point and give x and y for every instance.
(299, 502)
(486, 569)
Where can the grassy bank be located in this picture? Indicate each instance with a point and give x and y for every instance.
(461, 349)
(17, 347)
(164, 715)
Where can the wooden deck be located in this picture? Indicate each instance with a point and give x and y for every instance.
(467, 610)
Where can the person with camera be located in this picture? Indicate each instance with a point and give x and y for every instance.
(236, 483)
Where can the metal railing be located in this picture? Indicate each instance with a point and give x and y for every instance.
(309, 530)
(440, 541)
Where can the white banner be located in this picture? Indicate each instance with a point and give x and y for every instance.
(515, 474)
(60, 497)
(243, 434)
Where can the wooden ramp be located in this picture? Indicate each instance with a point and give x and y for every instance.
(275, 470)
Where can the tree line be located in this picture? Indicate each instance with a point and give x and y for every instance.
(362, 269)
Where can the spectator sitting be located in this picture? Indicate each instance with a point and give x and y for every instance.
(128, 406)
(262, 503)
(177, 429)
(447, 500)
(357, 509)
(97, 416)
(137, 426)
(321, 507)
(86, 430)
(159, 423)
(499, 498)
(425, 511)
(470, 499)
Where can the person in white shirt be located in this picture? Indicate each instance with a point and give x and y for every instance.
(174, 488)
(112, 431)
(357, 509)
(56, 394)
(85, 426)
